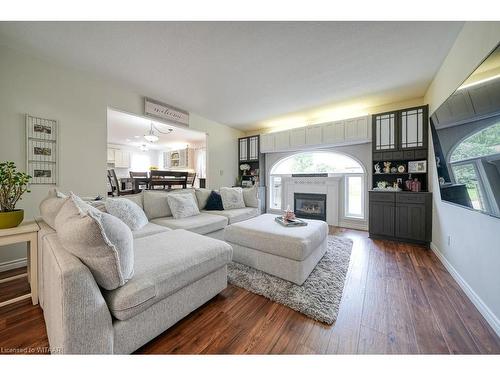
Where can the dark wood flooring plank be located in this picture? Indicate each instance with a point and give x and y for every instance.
(427, 331)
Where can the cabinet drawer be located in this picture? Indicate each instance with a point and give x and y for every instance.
(410, 198)
(409, 155)
(387, 155)
(397, 155)
(381, 197)
(421, 154)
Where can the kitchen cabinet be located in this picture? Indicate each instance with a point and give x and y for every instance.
(121, 159)
(179, 159)
(111, 155)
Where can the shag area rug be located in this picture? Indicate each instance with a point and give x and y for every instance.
(318, 297)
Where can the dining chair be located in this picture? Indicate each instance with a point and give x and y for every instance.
(191, 178)
(117, 185)
(144, 185)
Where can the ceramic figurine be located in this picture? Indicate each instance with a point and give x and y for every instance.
(394, 169)
(377, 168)
(387, 167)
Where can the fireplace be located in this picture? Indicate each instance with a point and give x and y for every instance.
(310, 206)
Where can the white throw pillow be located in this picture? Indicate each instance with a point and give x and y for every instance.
(251, 197)
(101, 241)
(232, 198)
(182, 205)
(127, 211)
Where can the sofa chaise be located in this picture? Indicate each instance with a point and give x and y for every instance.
(177, 268)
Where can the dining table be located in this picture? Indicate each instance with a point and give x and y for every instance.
(151, 183)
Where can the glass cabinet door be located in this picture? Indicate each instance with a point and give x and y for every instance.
(385, 131)
(412, 129)
(253, 153)
(243, 154)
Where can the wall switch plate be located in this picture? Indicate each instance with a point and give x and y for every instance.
(449, 240)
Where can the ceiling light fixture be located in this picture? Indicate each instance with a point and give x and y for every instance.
(151, 136)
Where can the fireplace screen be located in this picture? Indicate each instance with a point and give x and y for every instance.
(310, 206)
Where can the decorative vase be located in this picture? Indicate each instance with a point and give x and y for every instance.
(11, 219)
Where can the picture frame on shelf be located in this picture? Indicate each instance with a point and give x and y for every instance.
(419, 166)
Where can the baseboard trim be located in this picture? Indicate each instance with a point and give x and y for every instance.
(12, 264)
(485, 311)
(351, 225)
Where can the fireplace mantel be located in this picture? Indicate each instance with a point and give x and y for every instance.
(319, 185)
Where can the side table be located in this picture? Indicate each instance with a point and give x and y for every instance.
(25, 232)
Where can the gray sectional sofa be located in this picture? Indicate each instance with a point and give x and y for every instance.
(177, 268)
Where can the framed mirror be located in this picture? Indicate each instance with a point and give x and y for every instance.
(466, 137)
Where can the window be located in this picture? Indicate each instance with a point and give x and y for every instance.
(354, 201)
(322, 162)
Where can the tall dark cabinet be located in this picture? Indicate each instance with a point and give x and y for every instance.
(249, 154)
(400, 138)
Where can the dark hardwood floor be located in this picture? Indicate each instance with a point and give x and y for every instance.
(398, 298)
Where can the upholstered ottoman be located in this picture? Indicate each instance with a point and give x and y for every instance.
(290, 253)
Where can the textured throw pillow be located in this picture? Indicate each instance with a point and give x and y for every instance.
(156, 204)
(232, 198)
(127, 211)
(101, 241)
(250, 197)
(50, 206)
(202, 197)
(136, 198)
(182, 205)
(214, 202)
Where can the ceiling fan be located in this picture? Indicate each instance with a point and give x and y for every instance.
(152, 137)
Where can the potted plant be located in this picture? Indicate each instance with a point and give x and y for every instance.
(13, 185)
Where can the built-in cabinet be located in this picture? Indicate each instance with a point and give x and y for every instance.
(401, 216)
(350, 131)
(119, 158)
(399, 138)
(248, 148)
(396, 132)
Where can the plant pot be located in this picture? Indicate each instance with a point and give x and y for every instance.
(11, 219)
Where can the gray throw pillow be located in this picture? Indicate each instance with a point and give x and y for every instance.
(202, 197)
(50, 206)
(101, 241)
(156, 204)
(182, 205)
(251, 197)
(232, 198)
(127, 211)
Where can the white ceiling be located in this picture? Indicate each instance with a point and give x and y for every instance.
(244, 73)
(126, 129)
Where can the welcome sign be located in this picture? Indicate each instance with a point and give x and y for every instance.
(165, 111)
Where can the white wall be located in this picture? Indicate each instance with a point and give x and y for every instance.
(473, 255)
(362, 153)
(79, 101)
